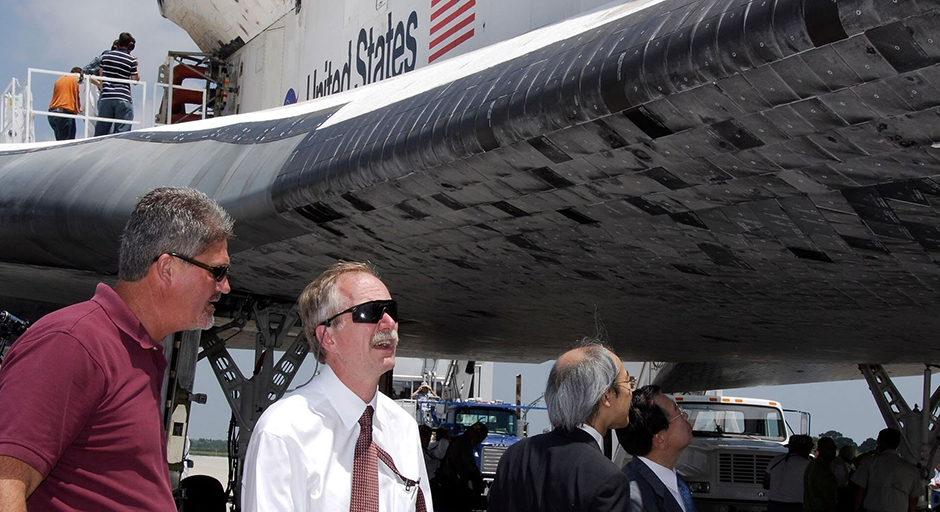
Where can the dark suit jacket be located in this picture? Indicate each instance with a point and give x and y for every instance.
(558, 471)
(647, 492)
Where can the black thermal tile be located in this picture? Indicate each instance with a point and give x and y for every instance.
(818, 114)
(828, 65)
(759, 32)
(687, 104)
(863, 58)
(770, 86)
(647, 122)
(688, 219)
(742, 94)
(705, 57)
(787, 120)
(669, 116)
(548, 148)
(762, 128)
(799, 77)
(896, 10)
(736, 134)
(654, 67)
(898, 47)
(732, 43)
(666, 178)
(881, 98)
(924, 31)
(915, 89)
(790, 27)
(679, 67)
(860, 16)
(849, 107)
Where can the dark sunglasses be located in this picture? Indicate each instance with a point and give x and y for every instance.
(368, 312)
(218, 273)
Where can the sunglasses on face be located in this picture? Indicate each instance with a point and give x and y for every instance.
(218, 273)
(368, 312)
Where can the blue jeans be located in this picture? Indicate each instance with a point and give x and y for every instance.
(115, 109)
(63, 128)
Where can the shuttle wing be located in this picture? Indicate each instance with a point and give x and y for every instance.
(704, 181)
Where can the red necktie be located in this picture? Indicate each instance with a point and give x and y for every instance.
(365, 486)
(365, 482)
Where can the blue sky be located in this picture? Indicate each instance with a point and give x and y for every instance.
(59, 34)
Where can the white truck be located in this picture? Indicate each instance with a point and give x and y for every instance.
(733, 440)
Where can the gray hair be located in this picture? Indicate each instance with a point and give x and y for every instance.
(320, 300)
(170, 219)
(575, 388)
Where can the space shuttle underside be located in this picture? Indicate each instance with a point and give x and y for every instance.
(709, 180)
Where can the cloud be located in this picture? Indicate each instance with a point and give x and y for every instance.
(72, 33)
(59, 34)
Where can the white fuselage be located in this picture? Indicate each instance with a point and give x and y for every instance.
(329, 47)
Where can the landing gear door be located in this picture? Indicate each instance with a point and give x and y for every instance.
(798, 422)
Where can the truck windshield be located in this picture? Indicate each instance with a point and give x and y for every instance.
(735, 420)
(498, 421)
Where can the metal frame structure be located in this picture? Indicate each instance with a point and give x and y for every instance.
(30, 112)
(195, 62)
(249, 397)
(10, 91)
(919, 429)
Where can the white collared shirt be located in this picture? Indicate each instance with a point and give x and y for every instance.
(300, 457)
(668, 478)
(594, 433)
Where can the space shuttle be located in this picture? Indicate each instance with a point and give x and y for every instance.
(747, 191)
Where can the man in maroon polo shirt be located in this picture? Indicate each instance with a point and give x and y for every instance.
(80, 425)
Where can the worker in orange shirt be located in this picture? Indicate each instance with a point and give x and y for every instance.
(65, 100)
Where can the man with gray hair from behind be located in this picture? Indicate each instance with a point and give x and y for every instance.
(588, 393)
(80, 391)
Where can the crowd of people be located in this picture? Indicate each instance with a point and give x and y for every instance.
(88, 434)
(839, 481)
(112, 100)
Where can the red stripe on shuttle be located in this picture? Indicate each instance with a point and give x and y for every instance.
(452, 16)
(451, 31)
(435, 2)
(440, 11)
(450, 46)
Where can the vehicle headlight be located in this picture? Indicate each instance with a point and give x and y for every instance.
(699, 487)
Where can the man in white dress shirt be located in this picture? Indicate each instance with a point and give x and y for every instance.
(305, 450)
(658, 432)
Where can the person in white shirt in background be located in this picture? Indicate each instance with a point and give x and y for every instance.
(886, 482)
(784, 475)
(437, 449)
(303, 452)
(934, 485)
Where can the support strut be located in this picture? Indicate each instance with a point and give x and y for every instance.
(249, 398)
(919, 429)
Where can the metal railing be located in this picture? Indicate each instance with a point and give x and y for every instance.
(30, 112)
(168, 104)
(12, 114)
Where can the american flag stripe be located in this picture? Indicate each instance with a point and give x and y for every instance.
(450, 46)
(452, 30)
(452, 25)
(436, 14)
(452, 16)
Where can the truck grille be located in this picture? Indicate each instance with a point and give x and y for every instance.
(491, 456)
(742, 468)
